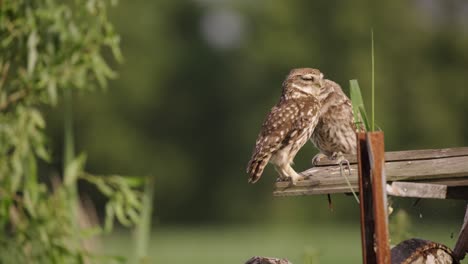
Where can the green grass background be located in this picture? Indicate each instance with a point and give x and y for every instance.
(311, 243)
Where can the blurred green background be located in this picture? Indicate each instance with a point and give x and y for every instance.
(198, 79)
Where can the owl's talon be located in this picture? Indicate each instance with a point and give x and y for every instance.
(293, 182)
(338, 156)
(296, 179)
(334, 156)
(317, 158)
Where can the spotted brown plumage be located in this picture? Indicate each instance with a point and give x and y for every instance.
(289, 124)
(335, 133)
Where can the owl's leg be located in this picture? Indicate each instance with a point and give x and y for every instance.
(286, 172)
(282, 174)
(338, 156)
(317, 158)
(293, 175)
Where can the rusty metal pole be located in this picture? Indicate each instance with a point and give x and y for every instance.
(461, 247)
(373, 197)
(376, 149)
(365, 197)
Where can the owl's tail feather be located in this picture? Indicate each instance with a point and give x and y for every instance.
(256, 167)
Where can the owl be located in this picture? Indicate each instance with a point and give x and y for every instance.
(335, 132)
(289, 125)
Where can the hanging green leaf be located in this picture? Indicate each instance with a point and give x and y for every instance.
(54, 48)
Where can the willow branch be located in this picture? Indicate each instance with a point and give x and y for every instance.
(12, 99)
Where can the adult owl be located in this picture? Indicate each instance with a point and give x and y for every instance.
(289, 125)
(335, 132)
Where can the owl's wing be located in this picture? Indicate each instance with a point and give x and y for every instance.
(281, 126)
(339, 98)
(276, 127)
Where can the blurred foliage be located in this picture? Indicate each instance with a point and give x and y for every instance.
(143, 231)
(400, 226)
(311, 256)
(48, 48)
(188, 109)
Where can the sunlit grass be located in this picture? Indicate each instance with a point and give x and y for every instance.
(237, 244)
(317, 242)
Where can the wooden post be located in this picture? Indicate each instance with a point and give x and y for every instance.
(373, 197)
(365, 197)
(461, 247)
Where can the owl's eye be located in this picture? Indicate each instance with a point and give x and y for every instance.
(308, 77)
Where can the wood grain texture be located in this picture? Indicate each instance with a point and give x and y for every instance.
(375, 148)
(366, 207)
(445, 167)
(420, 190)
(461, 247)
(408, 155)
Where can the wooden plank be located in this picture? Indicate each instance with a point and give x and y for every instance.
(409, 155)
(452, 167)
(450, 182)
(428, 169)
(450, 171)
(452, 192)
(440, 169)
(419, 190)
(319, 189)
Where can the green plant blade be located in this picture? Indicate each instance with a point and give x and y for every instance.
(365, 121)
(359, 110)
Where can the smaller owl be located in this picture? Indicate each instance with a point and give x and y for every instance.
(335, 133)
(289, 125)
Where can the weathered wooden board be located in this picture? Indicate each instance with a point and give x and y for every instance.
(408, 155)
(446, 167)
(420, 190)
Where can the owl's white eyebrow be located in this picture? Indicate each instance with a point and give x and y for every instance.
(301, 88)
